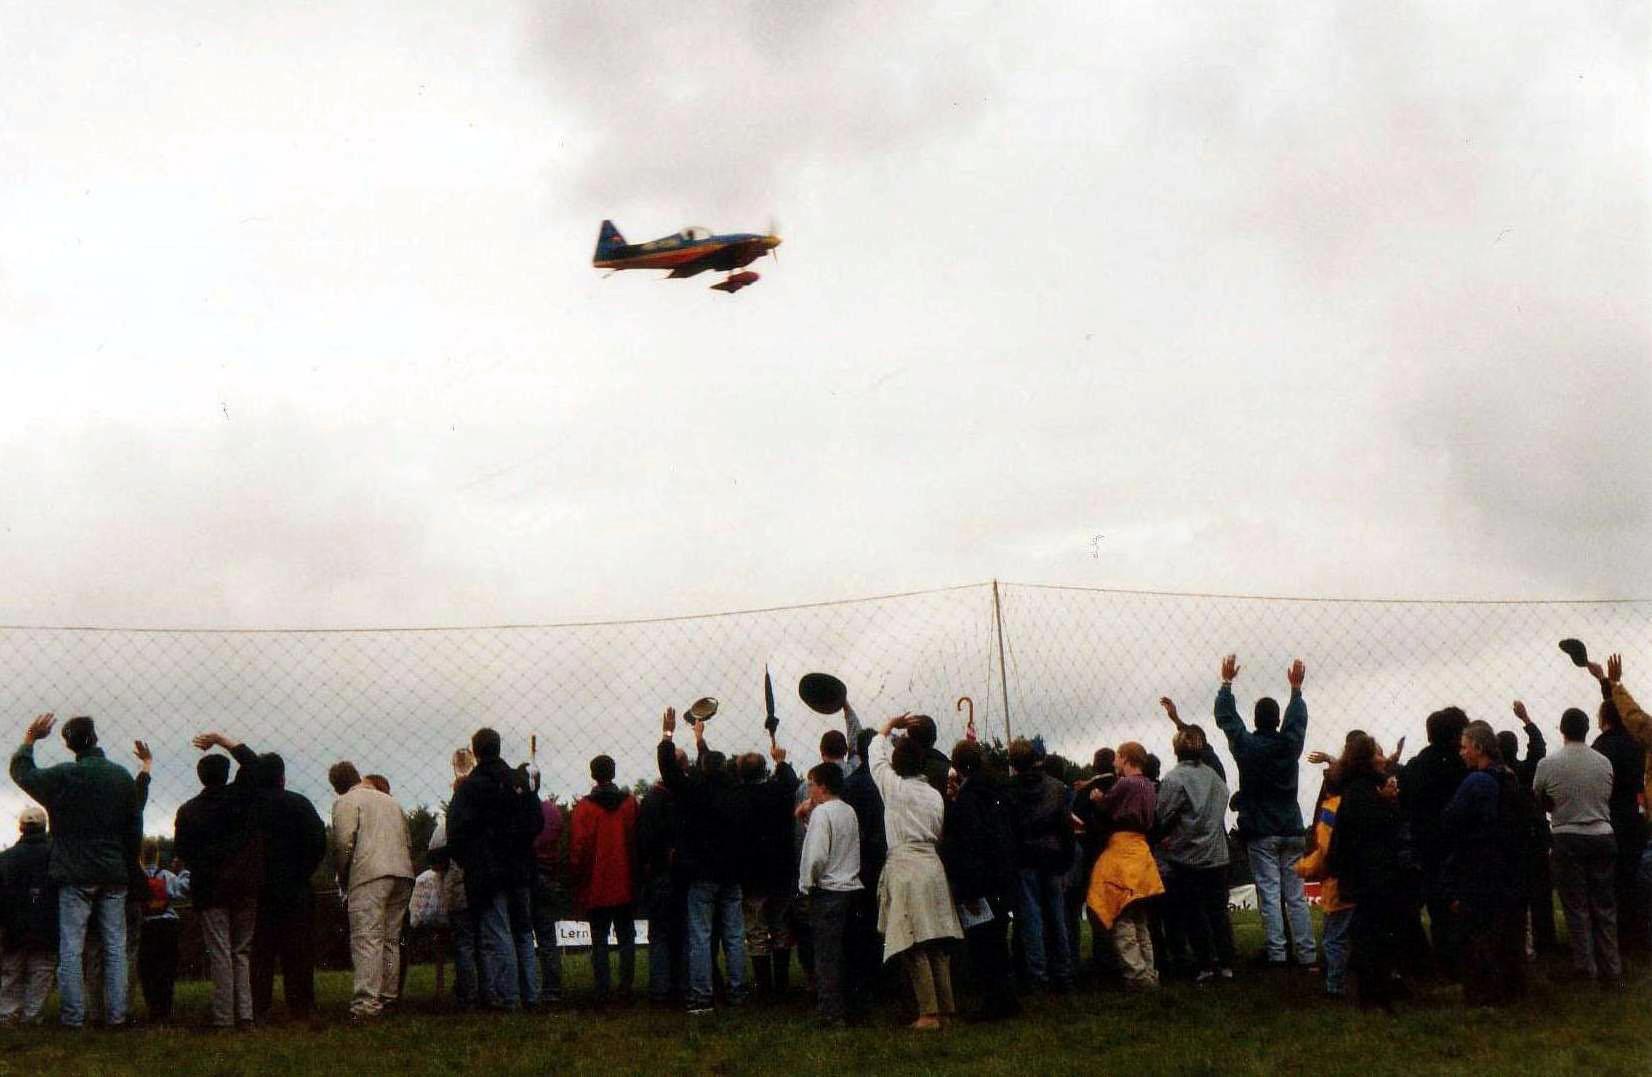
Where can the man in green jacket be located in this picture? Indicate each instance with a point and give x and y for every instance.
(96, 827)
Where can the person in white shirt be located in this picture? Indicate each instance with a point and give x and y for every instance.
(830, 875)
(915, 909)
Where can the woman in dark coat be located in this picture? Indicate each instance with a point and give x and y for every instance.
(1365, 859)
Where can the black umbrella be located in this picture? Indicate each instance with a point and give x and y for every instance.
(771, 723)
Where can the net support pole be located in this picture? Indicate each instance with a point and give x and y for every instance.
(1003, 670)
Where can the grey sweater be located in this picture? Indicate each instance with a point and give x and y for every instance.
(1192, 809)
(1575, 783)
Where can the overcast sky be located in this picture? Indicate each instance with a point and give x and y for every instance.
(300, 327)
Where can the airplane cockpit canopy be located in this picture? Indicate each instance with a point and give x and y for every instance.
(694, 231)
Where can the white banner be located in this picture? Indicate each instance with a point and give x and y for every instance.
(577, 933)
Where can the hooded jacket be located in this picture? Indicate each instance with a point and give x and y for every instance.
(491, 826)
(602, 849)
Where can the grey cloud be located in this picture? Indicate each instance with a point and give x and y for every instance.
(705, 107)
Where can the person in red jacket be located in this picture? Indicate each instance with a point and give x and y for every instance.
(602, 857)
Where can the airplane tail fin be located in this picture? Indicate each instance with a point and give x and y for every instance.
(609, 241)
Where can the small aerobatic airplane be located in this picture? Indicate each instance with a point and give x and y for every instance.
(685, 253)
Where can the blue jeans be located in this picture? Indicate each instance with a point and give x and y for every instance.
(509, 971)
(1335, 943)
(78, 907)
(464, 960)
(1041, 921)
(1279, 896)
(715, 903)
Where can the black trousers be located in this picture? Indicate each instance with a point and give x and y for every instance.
(1540, 879)
(158, 965)
(864, 947)
(284, 935)
(1444, 933)
(1378, 933)
(1199, 903)
(1493, 955)
(1632, 926)
(989, 963)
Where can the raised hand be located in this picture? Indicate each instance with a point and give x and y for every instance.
(699, 730)
(145, 760)
(1520, 713)
(899, 721)
(1169, 706)
(777, 753)
(39, 728)
(1230, 668)
(1316, 757)
(1294, 674)
(668, 724)
(1595, 671)
(1614, 668)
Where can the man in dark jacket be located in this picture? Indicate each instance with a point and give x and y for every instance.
(1481, 826)
(664, 890)
(28, 921)
(1539, 881)
(865, 945)
(1044, 850)
(1427, 784)
(978, 850)
(219, 835)
(1270, 818)
(296, 840)
(96, 827)
(1365, 859)
(711, 853)
(769, 883)
(492, 822)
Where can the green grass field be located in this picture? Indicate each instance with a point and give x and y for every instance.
(1263, 1023)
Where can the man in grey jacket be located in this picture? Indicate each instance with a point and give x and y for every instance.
(1190, 813)
(1575, 787)
(375, 871)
